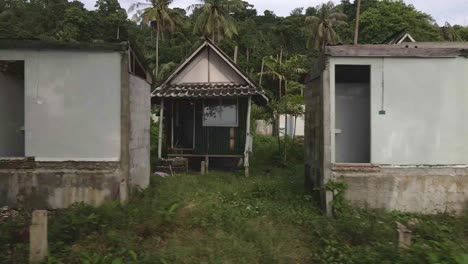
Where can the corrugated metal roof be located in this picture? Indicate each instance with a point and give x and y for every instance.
(210, 89)
(207, 90)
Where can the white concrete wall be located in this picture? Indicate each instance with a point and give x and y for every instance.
(11, 116)
(299, 125)
(218, 70)
(72, 104)
(425, 100)
(140, 114)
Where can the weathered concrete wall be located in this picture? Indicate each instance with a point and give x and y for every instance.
(425, 190)
(299, 123)
(140, 114)
(52, 185)
(72, 104)
(425, 103)
(11, 116)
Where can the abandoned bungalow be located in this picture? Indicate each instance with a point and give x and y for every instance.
(391, 122)
(74, 123)
(205, 109)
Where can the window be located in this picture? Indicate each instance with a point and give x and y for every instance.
(220, 113)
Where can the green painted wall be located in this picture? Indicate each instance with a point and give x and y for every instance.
(214, 140)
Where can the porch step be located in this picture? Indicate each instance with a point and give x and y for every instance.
(172, 165)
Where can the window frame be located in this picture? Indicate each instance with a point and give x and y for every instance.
(221, 100)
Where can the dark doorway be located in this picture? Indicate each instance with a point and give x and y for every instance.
(184, 116)
(12, 109)
(352, 113)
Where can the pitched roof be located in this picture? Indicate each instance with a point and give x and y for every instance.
(208, 89)
(399, 38)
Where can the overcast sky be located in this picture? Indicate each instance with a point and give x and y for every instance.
(453, 11)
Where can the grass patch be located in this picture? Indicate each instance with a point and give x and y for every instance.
(227, 218)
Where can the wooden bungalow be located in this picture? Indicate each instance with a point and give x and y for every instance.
(206, 107)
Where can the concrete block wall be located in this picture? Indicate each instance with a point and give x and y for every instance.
(54, 185)
(139, 145)
(424, 189)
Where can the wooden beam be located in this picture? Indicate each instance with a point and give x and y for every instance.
(172, 125)
(161, 124)
(203, 155)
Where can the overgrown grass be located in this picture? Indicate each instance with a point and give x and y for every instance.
(227, 218)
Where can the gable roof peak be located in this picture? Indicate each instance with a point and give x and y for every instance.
(169, 89)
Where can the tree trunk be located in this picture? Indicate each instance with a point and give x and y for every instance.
(248, 58)
(157, 51)
(294, 130)
(285, 121)
(356, 29)
(278, 135)
(261, 71)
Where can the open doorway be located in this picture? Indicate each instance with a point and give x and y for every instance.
(184, 121)
(352, 114)
(11, 109)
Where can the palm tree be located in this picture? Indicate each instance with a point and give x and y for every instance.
(356, 27)
(157, 14)
(321, 28)
(449, 33)
(214, 18)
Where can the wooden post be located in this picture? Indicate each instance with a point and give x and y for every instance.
(38, 243)
(202, 167)
(247, 138)
(172, 124)
(161, 124)
(123, 192)
(207, 164)
(403, 236)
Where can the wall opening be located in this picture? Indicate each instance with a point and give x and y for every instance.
(183, 125)
(11, 109)
(352, 113)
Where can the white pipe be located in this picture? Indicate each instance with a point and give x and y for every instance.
(247, 134)
(161, 123)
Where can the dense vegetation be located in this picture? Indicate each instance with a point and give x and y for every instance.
(227, 218)
(229, 23)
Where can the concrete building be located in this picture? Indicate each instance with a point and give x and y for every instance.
(390, 121)
(74, 123)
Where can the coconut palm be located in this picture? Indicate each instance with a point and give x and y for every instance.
(321, 28)
(449, 33)
(214, 18)
(157, 14)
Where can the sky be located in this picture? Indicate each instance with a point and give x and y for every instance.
(453, 11)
